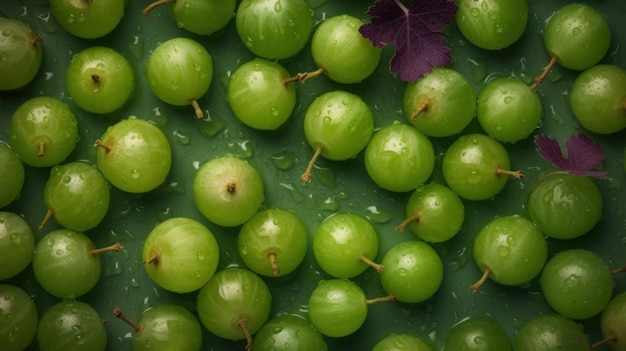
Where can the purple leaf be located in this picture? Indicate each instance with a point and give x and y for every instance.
(583, 154)
(414, 32)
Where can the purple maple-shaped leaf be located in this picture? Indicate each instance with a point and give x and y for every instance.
(583, 154)
(415, 33)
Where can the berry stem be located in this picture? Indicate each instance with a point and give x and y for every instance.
(196, 107)
(246, 332)
(544, 74)
(516, 174)
(606, 340)
(618, 270)
(41, 148)
(474, 288)
(117, 312)
(303, 77)
(115, 247)
(389, 298)
(100, 143)
(231, 187)
(46, 219)
(378, 267)
(153, 258)
(155, 4)
(95, 78)
(414, 218)
(306, 176)
(274, 263)
(423, 107)
(36, 39)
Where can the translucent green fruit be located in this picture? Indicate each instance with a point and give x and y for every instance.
(88, 19)
(19, 318)
(551, 332)
(17, 243)
(598, 99)
(11, 175)
(71, 325)
(21, 52)
(577, 35)
(492, 24)
(565, 206)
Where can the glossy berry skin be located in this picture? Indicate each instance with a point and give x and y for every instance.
(565, 206)
(512, 248)
(11, 175)
(341, 241)
(19, 318)
(478, 334)
(289, 332)
(228, 191)
(508, 110)
(179, 70)
(100, 80)
(135, 155)
(471, 164)
(450, 101)
(438, 212)
(230, 296)
(78, 195)
(492, 24)
(401, 342)
(413, 271)
(63, 264)
(17, 242)
(613, 320)
(337, 307)
(342, 52)
(274, 232)
(203, 17)
(180, 254)
(597, 99)
(577, 283)
(21, 54)
(577, 35)
(340, 122)
(71, 325)
(399, 158)
(43, 131)
(168, 327)
(274, 30)
(258, 96)
(551, 332)
(88, 19)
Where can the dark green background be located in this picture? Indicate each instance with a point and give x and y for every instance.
(336, 186)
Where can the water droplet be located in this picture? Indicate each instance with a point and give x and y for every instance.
(283, 159)
(278, 7)
(135, 174)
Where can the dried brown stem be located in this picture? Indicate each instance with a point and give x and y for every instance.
(115, 247)
(474, 288)
(46, 219)
(421, 108)
(544, 74)
(100, 143)
(154, 5)
(153, 258)
(274, 263)
(389, 298)
(303, 77)
(196, 108)
(117, 312)
(516, 174)
(231, 187)
(378, 267)
(246, 332)
(414, 218)
(36, 40)
(41, 148)
(618, 270)
(306, 176)
(606, 340)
